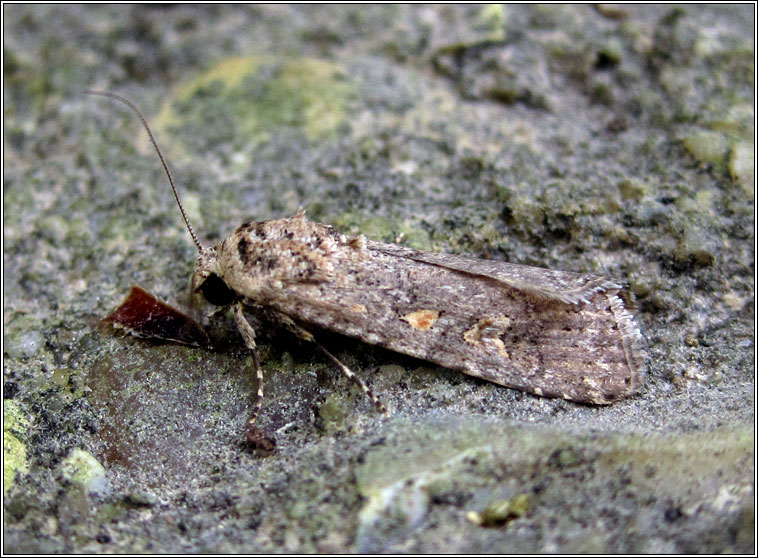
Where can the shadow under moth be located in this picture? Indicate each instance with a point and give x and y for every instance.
(551, 333)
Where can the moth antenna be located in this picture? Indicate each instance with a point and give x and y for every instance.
(132, 106)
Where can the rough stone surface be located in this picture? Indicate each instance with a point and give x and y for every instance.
(614, 141)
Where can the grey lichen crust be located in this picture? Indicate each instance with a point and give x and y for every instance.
(552, 333)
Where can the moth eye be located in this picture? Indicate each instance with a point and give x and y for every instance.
(216, 292)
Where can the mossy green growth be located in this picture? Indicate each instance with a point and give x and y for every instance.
(65, 380)
(695, 247)
(82, 469)
(245, 100)
(493, 19)
(742, 165)
(633, 189)
(727, 143)
(384, 230)
(332, 413)
(707, 146)
(15, 424)
(499, 512)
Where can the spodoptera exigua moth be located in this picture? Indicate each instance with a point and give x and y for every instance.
(552, 333)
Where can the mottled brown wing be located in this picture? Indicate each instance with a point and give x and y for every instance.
(547, 332)
(572, 288)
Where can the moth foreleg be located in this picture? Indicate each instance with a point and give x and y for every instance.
(248, 335)
(349, 374)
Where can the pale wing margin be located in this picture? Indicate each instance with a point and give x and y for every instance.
(565, 286)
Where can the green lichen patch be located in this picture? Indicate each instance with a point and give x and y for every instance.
(742, 165)
(243, 101)
(82, 469)
(15, 425)
(494, 476)
(500, 512)
(384, 229)
(707, 146)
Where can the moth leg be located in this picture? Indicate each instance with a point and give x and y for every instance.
(306, 335)
(350, 375)
(248, 335)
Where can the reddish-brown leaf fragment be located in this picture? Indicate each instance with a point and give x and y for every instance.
(145, 316)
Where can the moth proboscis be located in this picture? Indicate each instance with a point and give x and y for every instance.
(551, 333)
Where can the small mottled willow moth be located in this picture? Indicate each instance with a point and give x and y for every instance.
(551, 333)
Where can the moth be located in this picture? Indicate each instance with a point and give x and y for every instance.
(551, 333)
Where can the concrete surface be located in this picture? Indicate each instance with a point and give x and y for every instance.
(610, 140)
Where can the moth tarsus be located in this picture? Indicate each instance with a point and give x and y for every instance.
(551, 333)
(258, 441)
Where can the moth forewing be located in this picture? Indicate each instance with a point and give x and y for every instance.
(540, 282)
(571, 337)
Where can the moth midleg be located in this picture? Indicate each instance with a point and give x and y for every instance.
(350, 375)
(306, 335)
(248, 335)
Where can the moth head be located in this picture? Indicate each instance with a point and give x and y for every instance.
(207, 282)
